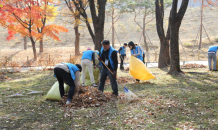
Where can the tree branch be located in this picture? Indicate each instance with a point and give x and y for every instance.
(182, 10)
(20, 21)
(135, 19)
(117, 19)
(93, 10)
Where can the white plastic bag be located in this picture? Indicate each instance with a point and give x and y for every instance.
(54, 93)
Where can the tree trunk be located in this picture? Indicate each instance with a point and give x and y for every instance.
(174, 50)
(76, 29)
(99, 37)
(97, 9)
(144, 37)
(175, 21)
(34, 48)
(41, 44)
(164, 56)
(77, 36)
(98, 21)
(25, 43)
(113, 28)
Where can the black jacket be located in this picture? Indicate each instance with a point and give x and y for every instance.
(104, 56)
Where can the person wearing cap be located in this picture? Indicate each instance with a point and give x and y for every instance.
(68, 73)
(142, 50)
(212, 56)
(87, 58)
(122, 53)
(135, 50)
(108, 55)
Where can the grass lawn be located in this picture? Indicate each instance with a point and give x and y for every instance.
(189, 101)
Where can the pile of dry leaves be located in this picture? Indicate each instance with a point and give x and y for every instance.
(126, 79)
(3, 77)
(193, 66)
(88, 97)
(127, 69)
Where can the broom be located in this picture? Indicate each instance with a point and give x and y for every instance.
(128, 94)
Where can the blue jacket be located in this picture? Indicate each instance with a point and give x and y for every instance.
(73, 69)
(123, 51)
(213, 48)
(135, 51)
(109, 55)
(87, 54)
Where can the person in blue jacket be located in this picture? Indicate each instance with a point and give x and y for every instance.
(135, 51)
(68, 73)
(212, 56)
(87, 58)
(108, 55)
(143, 56)
(122, 53)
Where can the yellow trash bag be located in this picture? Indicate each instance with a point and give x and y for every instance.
(96, 74)
(138, 69)
(54, 93)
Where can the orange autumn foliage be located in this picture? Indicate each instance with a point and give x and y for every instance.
(26, 17)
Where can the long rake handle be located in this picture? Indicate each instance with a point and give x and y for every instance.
(111, 72)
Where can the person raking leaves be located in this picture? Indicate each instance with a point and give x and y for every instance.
(68, 73)
(212, 56)
(87, 58)
(108, 55)
(122, 53)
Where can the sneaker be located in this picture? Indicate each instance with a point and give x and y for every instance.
(68, 102)
(94, 85)
(83, 85)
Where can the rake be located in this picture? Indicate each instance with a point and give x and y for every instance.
(128, 94)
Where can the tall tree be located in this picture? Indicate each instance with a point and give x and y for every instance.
(114, 8)
(24, 17)
(175, 22)
(97, 9)
(145, 8)
(76, 16)
(49, 14)
(164, 56)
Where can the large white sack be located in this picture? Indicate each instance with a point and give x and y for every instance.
(54, 93)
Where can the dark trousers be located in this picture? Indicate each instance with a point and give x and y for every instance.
(144, 58)
(122, 59)
(104, 73)
(64, 77)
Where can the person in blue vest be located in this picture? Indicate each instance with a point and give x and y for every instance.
(68, 73)
(135, 51)
(108, 55)
(143, 56)
(212, 56)
(122, 53)
(87, 58)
